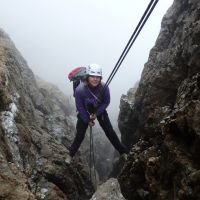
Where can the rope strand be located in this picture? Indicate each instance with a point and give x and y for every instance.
(136, 32)
(92, 159)
(134, 36)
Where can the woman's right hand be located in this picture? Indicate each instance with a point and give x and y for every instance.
(91, 123)
(93, 117)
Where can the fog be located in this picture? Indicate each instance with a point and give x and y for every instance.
(54, 36)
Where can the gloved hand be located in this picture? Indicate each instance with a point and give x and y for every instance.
(91, 123)
(93, 116)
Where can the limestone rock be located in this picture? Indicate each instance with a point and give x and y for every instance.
(165, 113)
(109, 190)
(35, 133)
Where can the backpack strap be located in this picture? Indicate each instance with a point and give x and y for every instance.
(98, 97)
(82, 94)
(82, 88)
(75, 85)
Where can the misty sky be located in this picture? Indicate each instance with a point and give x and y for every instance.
(54, 36)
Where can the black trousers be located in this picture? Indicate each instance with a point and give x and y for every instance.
(104, 122)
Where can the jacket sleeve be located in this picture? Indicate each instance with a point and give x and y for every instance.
(104, 103)
(80, 106)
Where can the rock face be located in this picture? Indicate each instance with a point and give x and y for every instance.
(163, 122)
(125, 121)
(35, 132)
(110, 190)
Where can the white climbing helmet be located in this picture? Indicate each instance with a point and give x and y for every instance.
(94, 70)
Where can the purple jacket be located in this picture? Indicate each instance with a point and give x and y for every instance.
(85, 100)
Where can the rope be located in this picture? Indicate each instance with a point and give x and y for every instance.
(135, 34)
(92, 159)
(90, 156)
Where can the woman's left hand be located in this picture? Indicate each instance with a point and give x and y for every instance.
(93, 116)
(91, 123)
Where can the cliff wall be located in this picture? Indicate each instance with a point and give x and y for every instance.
(162, 125)
(35, 132)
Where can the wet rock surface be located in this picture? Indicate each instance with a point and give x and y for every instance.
(35, 132)
(108, 190)
(165, 113)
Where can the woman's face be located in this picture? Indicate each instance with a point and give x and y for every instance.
(94, 81)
